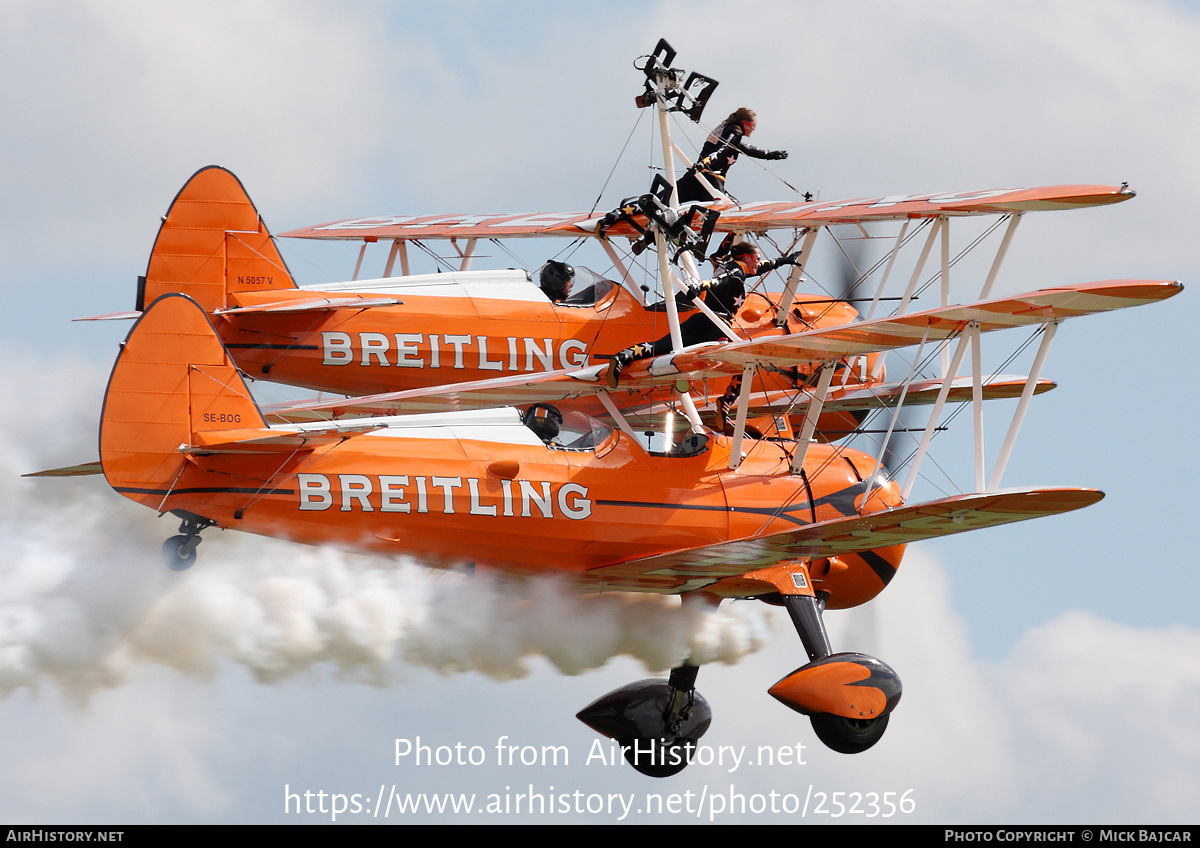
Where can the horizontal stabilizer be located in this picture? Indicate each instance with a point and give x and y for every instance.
(113, 316)
(84, 469)
(310, 304)
(272, 441)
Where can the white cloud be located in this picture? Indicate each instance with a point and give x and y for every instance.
(1105, 707)
(113, 105)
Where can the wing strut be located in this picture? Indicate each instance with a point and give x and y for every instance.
(1004, 243)
(977, 399)
(358, 265)
(793, 280)
(944, 223)
(668, 284)
(920, 268)
(935, 414)
(465, 255)
(715, 192)
(912, 284)
(813, 413)
(1023, 404)
(607, 402)
(972, 335)
(888, 270)
(399, 246)
(896, 413)
(739, 429)
(631, 285)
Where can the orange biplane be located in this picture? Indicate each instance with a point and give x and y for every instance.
(412, 333)
(691, 511)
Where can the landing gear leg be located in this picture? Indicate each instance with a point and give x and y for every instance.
(806, 612)
(847, 697)
(670, 752)
(840, 733)
(179, 552)
(657, 722)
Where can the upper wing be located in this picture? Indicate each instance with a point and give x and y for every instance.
(759, 217)
(713, 359)
(749, 217)
(938, 324)
(491, 225)
(842, 536)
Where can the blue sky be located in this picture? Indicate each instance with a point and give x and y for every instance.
(1039, 660)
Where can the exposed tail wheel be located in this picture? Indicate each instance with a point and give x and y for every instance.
(848, 735)
(179, 552)
(657, 757)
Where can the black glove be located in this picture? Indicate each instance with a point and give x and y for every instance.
(776, 154)
(790, 259)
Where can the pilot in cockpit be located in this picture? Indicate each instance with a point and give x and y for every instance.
(545, 421)
(556, 279)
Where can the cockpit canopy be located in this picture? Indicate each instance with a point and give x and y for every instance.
(581, 431)
(587, 288)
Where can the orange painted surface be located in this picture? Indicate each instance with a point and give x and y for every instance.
(830, 689)
(523, 508)
(181, 433)
(214, 247)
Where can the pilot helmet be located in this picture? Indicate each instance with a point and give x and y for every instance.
(544, 420)
(556, 278)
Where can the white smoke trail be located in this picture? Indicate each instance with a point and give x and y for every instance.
(84, 595)
(278, 610)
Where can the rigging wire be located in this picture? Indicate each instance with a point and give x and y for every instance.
(438, 260)
(974, 243)
(620, 155)
(957, 411)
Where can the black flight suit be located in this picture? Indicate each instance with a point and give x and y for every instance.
(720, 151)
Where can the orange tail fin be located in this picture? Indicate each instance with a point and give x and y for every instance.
(212, 243)
(172, 379)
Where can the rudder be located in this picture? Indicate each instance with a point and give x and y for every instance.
(212, 243)
(172, 379)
